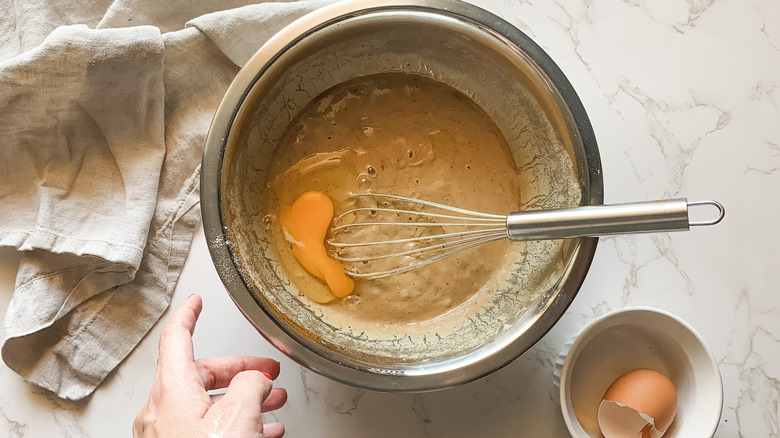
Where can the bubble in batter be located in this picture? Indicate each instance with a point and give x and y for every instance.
(426, 141)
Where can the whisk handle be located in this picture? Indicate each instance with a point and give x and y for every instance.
(605, 220)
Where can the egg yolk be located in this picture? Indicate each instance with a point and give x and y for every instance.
(304, 225)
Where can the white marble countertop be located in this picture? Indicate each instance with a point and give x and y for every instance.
(684, 97)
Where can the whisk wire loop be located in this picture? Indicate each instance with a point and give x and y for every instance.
(434, 247)
(419, 233)
(431, 204)
(418, 264)
(440, 237)
(376, 210)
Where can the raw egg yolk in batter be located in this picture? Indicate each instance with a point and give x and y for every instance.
(304, 225)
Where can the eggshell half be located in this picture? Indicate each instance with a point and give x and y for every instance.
(641, 403)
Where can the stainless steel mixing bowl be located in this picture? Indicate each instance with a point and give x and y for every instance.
(475, 52)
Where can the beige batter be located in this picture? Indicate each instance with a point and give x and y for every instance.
(411, 136)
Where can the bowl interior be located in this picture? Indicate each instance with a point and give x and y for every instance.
(641, 338)
(499, 77)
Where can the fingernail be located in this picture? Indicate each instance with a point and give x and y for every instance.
(267, 376)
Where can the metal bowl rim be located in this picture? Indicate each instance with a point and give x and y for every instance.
(216, 142)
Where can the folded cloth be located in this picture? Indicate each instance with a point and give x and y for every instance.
(83, 144)
(102, 137)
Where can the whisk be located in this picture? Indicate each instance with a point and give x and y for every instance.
(422, 232)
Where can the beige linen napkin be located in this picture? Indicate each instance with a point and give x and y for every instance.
(102, 134)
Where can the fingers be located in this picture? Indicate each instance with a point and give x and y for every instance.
(276, 399)
(217, 372)
(247, 389)
(273, 430)
(139, 424)
(176, 337)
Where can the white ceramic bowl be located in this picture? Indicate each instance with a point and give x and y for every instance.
(633, 338)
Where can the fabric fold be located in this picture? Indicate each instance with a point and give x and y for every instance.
(82, 138)
(100, 146)
(82, 149)
(240, 32)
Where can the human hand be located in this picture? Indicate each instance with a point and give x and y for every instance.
(179, 404)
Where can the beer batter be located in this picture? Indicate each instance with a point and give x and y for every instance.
(411, 136)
